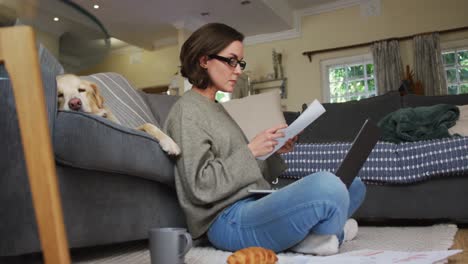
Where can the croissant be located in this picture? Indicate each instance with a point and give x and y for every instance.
(253, 255)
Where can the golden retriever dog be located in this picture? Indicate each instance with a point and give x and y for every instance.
(75, 94)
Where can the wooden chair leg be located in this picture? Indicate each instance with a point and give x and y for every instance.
(19, 55)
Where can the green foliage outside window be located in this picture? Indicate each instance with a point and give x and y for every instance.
(351, 82)
(456, 69)
(222, 97)
(464, 88)
(463, 58)
(449, 58)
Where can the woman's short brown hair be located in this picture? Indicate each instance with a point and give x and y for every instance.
(210, 39)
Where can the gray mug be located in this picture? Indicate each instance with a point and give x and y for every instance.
(169, 245)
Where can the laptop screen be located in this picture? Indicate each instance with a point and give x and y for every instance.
(357, 155)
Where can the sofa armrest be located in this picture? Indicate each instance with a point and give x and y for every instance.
(91, 142)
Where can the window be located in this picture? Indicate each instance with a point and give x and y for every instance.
(223, 97)
(348, 79)
(456, 70)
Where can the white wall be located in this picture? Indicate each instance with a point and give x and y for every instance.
(346, 27)
(342, 27)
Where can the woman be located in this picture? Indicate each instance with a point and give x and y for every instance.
(218, 165)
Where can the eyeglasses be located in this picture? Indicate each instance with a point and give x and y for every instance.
(231, 61)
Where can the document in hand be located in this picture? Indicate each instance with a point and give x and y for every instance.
(312, 112)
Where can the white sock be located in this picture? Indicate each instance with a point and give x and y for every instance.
(350, 229)
(322, 245)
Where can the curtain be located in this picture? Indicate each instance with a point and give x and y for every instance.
(242, 88)
(388, 67)
(428, 64)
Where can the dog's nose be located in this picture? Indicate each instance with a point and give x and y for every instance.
(74, 104)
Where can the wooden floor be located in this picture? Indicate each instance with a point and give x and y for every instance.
(461, 242)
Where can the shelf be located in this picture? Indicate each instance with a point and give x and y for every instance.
(266, 81)
(262, 86)
(155, 89)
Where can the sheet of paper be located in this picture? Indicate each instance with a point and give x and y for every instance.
(313, 111)
(370, 256)
(391, 257)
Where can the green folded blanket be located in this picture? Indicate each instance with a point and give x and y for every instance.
(419, 123)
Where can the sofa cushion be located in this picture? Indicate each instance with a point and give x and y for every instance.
(50, 68)
(461, 127)
(92, 142)
(290, 116)
(160, 105)
(412, 100)
(342, 121)
(256, 113)
(122, 99)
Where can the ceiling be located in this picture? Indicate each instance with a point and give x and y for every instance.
(150, 24)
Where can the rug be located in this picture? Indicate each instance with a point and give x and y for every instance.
(437, 237)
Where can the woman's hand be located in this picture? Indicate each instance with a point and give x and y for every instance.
(288, 146)
(265, 142)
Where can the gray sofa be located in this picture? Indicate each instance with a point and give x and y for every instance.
(115, 182)
(435, 200)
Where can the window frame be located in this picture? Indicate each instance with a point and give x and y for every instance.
(342, 61)
(454, 46)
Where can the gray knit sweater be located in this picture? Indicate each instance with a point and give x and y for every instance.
(216, 168)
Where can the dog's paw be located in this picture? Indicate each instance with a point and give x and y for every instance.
(169, 146)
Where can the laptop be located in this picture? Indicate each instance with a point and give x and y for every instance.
(356, 156)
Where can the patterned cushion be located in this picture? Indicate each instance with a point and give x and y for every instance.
(122, 99)
(388, 163)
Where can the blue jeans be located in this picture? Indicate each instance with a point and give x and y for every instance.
(318, 203)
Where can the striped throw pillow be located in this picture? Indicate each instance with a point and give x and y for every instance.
(122, 99)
